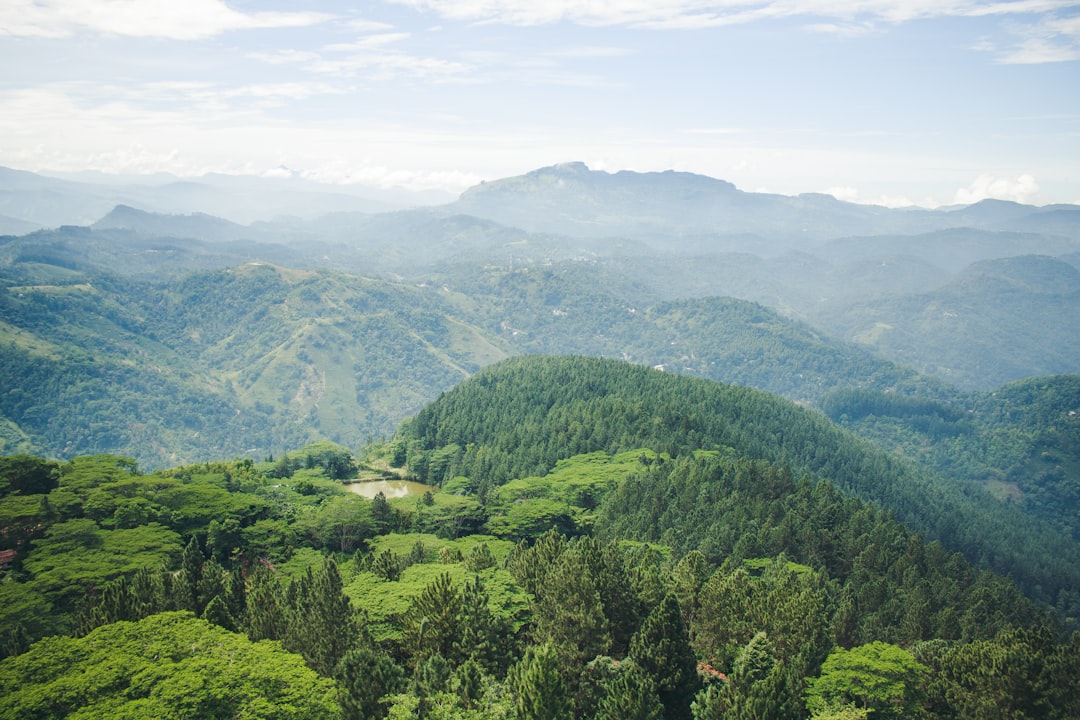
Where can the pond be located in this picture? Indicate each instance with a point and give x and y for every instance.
(389, 488)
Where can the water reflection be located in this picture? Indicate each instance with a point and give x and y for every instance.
(389, 488)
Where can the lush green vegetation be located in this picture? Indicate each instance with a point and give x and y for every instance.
(1020, 442)
(522, 416)
(679, 578)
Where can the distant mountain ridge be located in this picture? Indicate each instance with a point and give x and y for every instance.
(571, 199)
(85, 198)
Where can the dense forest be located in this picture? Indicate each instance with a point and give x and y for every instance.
(593, 539)
(577, 445)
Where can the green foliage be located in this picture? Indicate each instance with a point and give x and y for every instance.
(631, 695)
(341, 524)
(1020, 673)
(1021, 442)
(537, 682)
(879, 677)
(27, 475)
(320, 622)
(169, 665)
(519, 418)
(661, 648)
(700, 539)
(365, 678)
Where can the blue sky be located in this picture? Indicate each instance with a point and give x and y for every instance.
(890, 101)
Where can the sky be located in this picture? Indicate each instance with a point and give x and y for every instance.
(894, 102)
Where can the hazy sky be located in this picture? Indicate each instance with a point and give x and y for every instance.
(893, 101)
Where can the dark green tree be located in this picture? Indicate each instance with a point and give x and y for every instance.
(322, 624)
(28, 475)
(266, 613)
(186, 585)
(484, 637)
(365, 676)
(432, 624)
(540, 693)
(217, 612)
(662, 649)
(631, 695)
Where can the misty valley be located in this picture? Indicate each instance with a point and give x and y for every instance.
(575, 444)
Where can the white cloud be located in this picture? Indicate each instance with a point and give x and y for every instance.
(706, 13)
(390, 65)
(283, 57)
(843, 29)
(1021, 189)
(590, 51)
(1052, 39)
(845, 193)
(369, 42)
(186, 20)
(363, 25)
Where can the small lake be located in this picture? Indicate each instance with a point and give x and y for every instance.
(389, 488)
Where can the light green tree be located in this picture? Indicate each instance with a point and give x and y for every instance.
(880, 677)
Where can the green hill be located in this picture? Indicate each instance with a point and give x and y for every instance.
(525, 414)
(1021, 442)
(999, 321)
(712, 568)
(260, 358)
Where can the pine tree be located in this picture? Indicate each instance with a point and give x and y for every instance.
(433, 621)
(236, 594)
(211, 582)
(569, 612)
(631, 696)
(217, 612)
(265, 616)
(483, 637)
(687, 580)
(758, 686)
(322, 624)
(381, 514)
(365, 676)
(662, 648)
(540, 691)
(186, 586)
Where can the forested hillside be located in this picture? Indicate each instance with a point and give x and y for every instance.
(646, 453)
(259, 358)
(1020, 442)
(599, 540)
(525, 414)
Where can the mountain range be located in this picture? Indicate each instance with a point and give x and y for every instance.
(661, 423)
(184, 337)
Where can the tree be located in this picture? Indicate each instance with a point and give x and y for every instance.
(569, 611)
(687, 579)
(880, 677)
(381, 513)
(266, 609)
(484, 638)
(662, 648)
(28, 475)
(188, 579)
(166, 665)
(322, 624)
(433, 622)
(631, 696)
(217, 612)
(365, 676)
(538, 685)
(758, 685)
